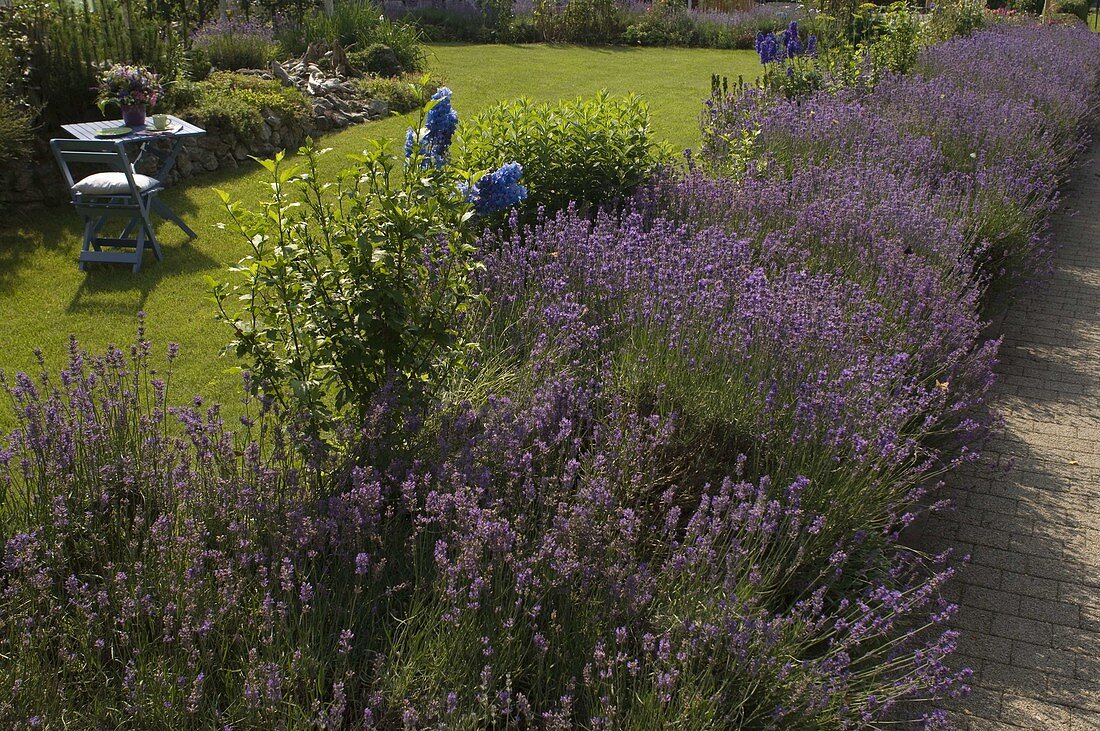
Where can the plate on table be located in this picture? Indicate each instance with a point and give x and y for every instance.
(113, 132)
(151, 130)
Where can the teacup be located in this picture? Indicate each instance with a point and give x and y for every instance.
(160, 121)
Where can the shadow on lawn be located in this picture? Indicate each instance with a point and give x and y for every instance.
(58, 230)
(117, 288)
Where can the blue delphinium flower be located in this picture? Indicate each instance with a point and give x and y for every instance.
(766, 47)
(497, 190)
(792, 45)
(441, 123)
(811, 46)
(410, 142)
(439, 129)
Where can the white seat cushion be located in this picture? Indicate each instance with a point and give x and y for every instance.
(114, 184)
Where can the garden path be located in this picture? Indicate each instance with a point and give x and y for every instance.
(1030, 518)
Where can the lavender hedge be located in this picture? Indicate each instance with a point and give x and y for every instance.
(668, 495)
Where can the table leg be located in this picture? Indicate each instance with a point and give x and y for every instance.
(161, 209)
(169, 160)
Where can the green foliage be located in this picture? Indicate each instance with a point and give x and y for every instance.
(402, 94)
(352, 284)
(663, 24)
(579, 21)
(356, 25)
(237, 102)
(60, 47)
(587, 151)
(377, 59)
(954, 18)
(498, 16)
(729, 140)
(445, 24)
(1033, 7)
(1077, 8)
(16, 132)
(232, 51)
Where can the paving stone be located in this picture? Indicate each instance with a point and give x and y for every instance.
(1029, 515)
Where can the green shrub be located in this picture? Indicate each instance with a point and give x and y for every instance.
(1078, 8)
(232, 44)
(357, 25)
(954, 18)
(587, 151)
(894, 43)
(1033, 7)
(580, 21)
(1066, 19)
(236, 102)
(377, 59)
(467, 25)
(351, 286)
(402, 94)
(16, 132)
(661, 25)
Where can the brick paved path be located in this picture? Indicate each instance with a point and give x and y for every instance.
(1030, 599)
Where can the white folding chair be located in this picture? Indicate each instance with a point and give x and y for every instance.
(119, 193)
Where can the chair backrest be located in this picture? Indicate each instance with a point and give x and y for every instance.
(104, 153)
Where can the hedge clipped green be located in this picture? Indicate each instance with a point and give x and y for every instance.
(587, 151)
(236, 102)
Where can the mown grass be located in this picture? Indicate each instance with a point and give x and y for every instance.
(45, 298)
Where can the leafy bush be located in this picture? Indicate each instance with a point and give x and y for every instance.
(585, 151)
(954, 18)
(231, 44)
(16, 132)
(357, 25)
(579, 21)
(464, 23)
(896, 40)
(351, 287)
(402, 94)
(661, 25)
(376, 59)
(237, 102)
(1079, 8)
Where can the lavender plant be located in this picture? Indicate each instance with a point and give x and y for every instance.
(665, 491)
(233, 43)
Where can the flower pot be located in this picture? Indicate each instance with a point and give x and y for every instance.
(133, 116)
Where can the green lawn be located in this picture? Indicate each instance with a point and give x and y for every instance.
(44, 297)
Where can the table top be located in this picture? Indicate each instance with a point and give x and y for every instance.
(145, 133)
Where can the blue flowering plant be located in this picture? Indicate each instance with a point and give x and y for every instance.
(498, 190)
(784, 47)
(357, 287)
(432, 139)
(791, 65)
(429, 146)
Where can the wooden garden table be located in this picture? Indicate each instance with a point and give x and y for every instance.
(178, 131)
